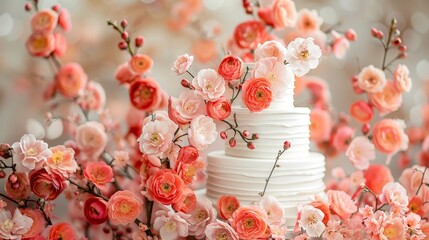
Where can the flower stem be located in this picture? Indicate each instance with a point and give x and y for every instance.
(421, 182)
(192, 76)
(8, 198)
(90, 191)
(387, 45)
(130, 50)
(271, 173)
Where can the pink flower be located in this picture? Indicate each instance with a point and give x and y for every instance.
(145, 94)
(321, 124)
(46, 185)
(342, 137)
(93, 98)
(39, 222)
(395, 195)
(360, 152)
(303, 55)
(63, 231)
(91, 138)
(311, 221)
(284, 13)
(64, 20)
(140, 64)
(209, 84)
(30, 153)
(231, 67)
(372, 79)
(275, 212)
(341, 204)
(71, 80)
(226, 205)
(361, 111)
(308, 20)
(95, 210)
(401, 78)
(124, 74)
(249, 222)
(99, 173)
(121, 158)
(44, 21)
(187, 202)
(14, 227)
(271, 48)
(60, 44)
(199, 217)
(219, 109)
(61, 161)
(182, 64)
(389, 99)
(40, 44)
(277, 73)
(219, 230)
(124, 207)
(389, 136)
(376, 177)
(165, 186)
(257, 94)
(340, 46)
(393, 229)
(170, 225)
(202, 132)
(188, 106)
(157, 137)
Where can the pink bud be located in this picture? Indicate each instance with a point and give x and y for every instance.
(403, 55)
(246, 133)
(15, 185)
(232, 142)
(357, 89)
(374, 32)
(106, 229)
(365, 128)
(255, 136)
(354, 78)
(28, 7)
(12, 178)
(350, 35)
(56, 8)
(286, 145)
(139, 41)
(21, 203)
(122, 45)
(403, 48)
(124, 35)
(250, 145)
(223, 135)
(5, 151)
(76, 193)
(230, 85)
(396, 41)
(185, 83)
(124, 23)
(2, 173)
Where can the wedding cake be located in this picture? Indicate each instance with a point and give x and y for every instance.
(242, 172)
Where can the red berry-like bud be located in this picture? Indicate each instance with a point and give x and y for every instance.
(139, 41)
(2, 174)
(128, 230)
(357, 89)
(12, 178)
(122, 45)
(223, 135)
(106, 229)
(114, 228)
(124, 23)
(365, 128)
(246, 133)
(56, 7)
(286, 145)
(396, 41)
(28, 7)
(354, 78)
(76, 193)
(5, 151)
(351, 35)
(255, 136)
(403, 48)
(15, 185)
(251, 145)
(232, 142)
(403, 55)
(21, 203)
(124, 35)
(374, 32)
(185, 83)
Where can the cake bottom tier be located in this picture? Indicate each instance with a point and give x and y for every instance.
(295, 181)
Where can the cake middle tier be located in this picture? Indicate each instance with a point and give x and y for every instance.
(274, 126)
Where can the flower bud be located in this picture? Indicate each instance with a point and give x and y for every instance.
(350, 35)
(255, 136)
(377, 33)
(223, 135)
(124, 35)
(139, 41)
(286, 145)
(5, 151)
(250, 145)
(2, 173)
(232, 142)
(365, 128)
(403, 55)
(357, 89)
(403, 48)
(122, 45)
(185, 83)
(28, 7)
(12, 178)
(246, 133)
(230, 85)
(15, 185)
(396, 41)
(106, 230)
(56, 8)
(124, 23)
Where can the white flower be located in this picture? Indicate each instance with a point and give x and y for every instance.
(271, 48)
(201, 215)
(209, 84)
(275, 212)
(182, 64)
(170, 225)
(202, 132)
(303, 55)
(311, 221)
(30, 153)
(157, 137)
(14, 227)
(360, 152)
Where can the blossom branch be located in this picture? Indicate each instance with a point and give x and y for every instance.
(421, 182)
(387, 44)
(239, 86)
(90, 191)
(123, 33)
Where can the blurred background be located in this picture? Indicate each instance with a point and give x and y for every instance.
(168, 34)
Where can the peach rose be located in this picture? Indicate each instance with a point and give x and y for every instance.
(361, 111)
(321, 124)
(219, 109)
(182, 64)
(63, 231)
(124, 74)
(60, 44)
(389, 99)
(271, 48)
(389, 137)
(372, 79)
(61, 161)
(165, 186)
(376, 176)
(308, 20)
(91, 138)
(231, 67)
(226, 205)
(249, 34)
(124, 207)
(402, 79)
(341, 204)
(46, 185)
(39, 222)
(188, 106)
(284, 13)
(187, 201)
(40, 44)
(257, 94)
(71, 80)
(19, 189)
(145, 94)
(44, 21)
(250, 222)
(99, 173)
(140, 63)
(202, 132)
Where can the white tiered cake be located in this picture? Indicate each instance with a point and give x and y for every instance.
(242, 172)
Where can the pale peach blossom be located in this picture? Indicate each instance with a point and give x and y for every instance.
(91, 139)
(338, 172)
(366, 211)
(180, 16)
(157, 137)
(62, 161)
(124, 207)
(188, 106)
(311, 221)
(389, 136)
(199, 217)
(93, 97)
(357, 178)
(124, 74)
(60, 44)
(202, 132)
(64, 20)
(393, 229)
(395, 195)
(170, 224)
(14, 227)
(372, 79)
(402, 79)
(209, 84)
(389, 99)
(341, 204)
(321, 124)
(308, 20)
(360, 152)
(71, 80)
(30, 153)
(284, 13)
(340, 46)
(303, 55)
(182, 64)
(219, 230)
(205, 50)
(40, 44)
(342, 137)
(271, 48)
(121, 158)
(275, 212)
(44, 21)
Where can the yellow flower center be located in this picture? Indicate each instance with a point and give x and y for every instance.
(32, 152)
(271, 77)
(208, 85)
(304, 55)
(312, 219)
(170, 226)
(124, 208)
(390, 232)
(190, 171)
(166, 187)
(222, 236)
(249, 223)
(201, 215)
(145, 93)
(57, 157)
(40, 42)
(154, 137)
(259, 95)
(7, 225)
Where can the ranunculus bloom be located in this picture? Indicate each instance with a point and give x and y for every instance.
(30, 153)
(271, 48)
(71, 80)
(249, 222)
(165, 186)
(361, 111)
(360, 152)
(249, 34)
(46, 185)
(91, 138)
(219, 230)
(231, 67)
(199, 217)
(39, 222)
(202, 132)
(14, 227)
(188, 171)
(311, 221)
(227, 205)
(64, 20)
(303, 55)
(275, 212)
(394, 194)
(61, 161)
(63, 231)
(93, 98)
(342, 137)
(389, 99)
(124, 207)
(99, 173)
(170, 224)
(95, 210)
(219, 109)
(140, 63)
(187, 201)
(145, 94)
(284, 13)
(150, 164)
(40, 44)
(257, 94)
(371, 79)
(23, 187)
(124, 74)
(209, 84)
(182, 64)
(321, 124)
(60, 44)
(376, 177)
(44, 21)
(393, 229)
(389, 137)
(157, 137)
(308, 20)
(188, 106)
(341, 204)
(401, 78)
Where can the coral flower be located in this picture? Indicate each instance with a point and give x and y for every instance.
(165, 186)
(321, 125)
(71, 80)
(231, 67)
(372, 79)
(95, 210)
(188, 106)
(308, 20)
(341, 204)
(249, 34)
(62, 161)
(99, 173)
(387, 100)
(389, 136)
(227, 205)
(140, 63)
(124, 207)
(46, 185)
(30, 153)
(257, 94)
(93, 98)
(40, 44)
(376, 177)
(250, 222)
(284, 13)
(19, 189)
(361, 111)
(145, 94)
(44, 21)
(39, 222)
(187, 202)
(63, 231)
